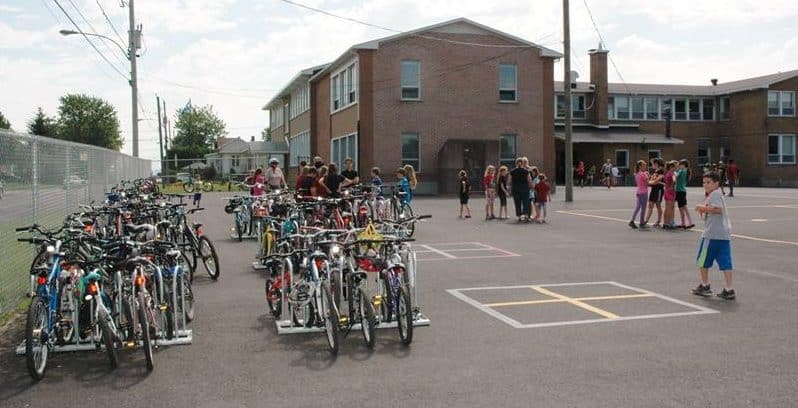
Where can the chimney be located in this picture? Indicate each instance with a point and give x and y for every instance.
(714, 81)
(252, 139)
(598, 80)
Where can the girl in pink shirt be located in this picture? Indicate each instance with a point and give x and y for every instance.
(641, 180)
(670, 195)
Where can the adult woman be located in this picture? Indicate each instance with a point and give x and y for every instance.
(333, 180)
(274, 175)
(521, 183)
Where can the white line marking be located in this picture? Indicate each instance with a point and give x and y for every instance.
(545, 286)
(575, 322)
(500, 250)
(763, 273)
(669, 299)
(439, 252)
(468, 257)
(472, 302)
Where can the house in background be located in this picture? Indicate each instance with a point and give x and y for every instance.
(236, 156)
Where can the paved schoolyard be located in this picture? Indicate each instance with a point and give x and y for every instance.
(580, 312)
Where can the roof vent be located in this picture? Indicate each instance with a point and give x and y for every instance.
(714, 81)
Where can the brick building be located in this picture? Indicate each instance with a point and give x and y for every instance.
(445, 97)
(752, 121)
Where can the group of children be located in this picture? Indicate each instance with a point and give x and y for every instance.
(662, 181)
(526, 184)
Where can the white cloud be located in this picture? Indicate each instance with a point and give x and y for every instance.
(10, 9)
(707, 13)
(14, 38)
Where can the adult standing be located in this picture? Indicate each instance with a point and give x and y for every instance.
(606, 170)
(317, 163)
(349, 173)
(274, 175)
(733, 175)
(521, 182)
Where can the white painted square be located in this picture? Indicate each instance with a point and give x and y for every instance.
(459, 250)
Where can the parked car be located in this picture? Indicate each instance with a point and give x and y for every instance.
(74, 181)
(183, 177)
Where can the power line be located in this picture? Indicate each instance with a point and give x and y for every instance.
(113, 27)
(601, 38)
(94, 30)
(90, 43)
(403, 32)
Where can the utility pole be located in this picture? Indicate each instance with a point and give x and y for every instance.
(569, 147)
(133, 41)
(160, 133)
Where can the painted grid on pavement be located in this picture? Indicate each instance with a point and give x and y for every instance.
(459, 250)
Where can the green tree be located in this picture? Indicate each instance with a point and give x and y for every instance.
(4, 123)
(90, 120)
(43, 125)
(197, 130)
(266, 134)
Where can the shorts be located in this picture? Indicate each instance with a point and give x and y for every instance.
(463, 198)
(502, 200)
(714, 250)
(670, 196)
(540, 204)
(681, 198)
(656, 194)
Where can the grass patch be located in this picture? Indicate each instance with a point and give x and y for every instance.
(177, 188)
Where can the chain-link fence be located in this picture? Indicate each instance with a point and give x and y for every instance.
(41, 181)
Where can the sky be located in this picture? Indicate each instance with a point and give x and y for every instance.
(236, 54)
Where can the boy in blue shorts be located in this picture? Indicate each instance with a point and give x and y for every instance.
(715, 245)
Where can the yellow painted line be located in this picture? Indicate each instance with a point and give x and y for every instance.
(583, 299)
(575, 302)
(770, 241)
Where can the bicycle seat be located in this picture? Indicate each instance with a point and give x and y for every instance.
(197, 224)
(346, 214)
(134, 228)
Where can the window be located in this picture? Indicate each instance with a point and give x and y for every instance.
(725, 149)
(781, 103)
(343, 88)
(695, 109)
(781, 149)
(681, 109)
(286, 118)
(654, 154)
(725, 108)
(652, 108)
(411, 80)
(622, 106)
(622, 159)
(708, 109)
(300, 100)
(233, 161)
(507, 150)
(666, 109)
(344, 147)
(578, 105)
(559, 109)
(637, 107)
(611, 107)
(298, 148)
(410, 150)
(703, 156)
(507, 83)
(276, 117)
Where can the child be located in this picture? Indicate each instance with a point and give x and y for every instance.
(404, 185)
(534, 173)
(715, 244)
(641, 180)
(501, 190)
(376, 181)
(657, 190)
(541, 198)
(489, 183)
(410, 172)
(682, 175)
(591, 174)
(670, 196)
(465, 190)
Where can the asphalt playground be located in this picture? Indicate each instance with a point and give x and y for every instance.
(579, 312)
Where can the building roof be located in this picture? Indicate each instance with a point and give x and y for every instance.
(456, 26)
(761, 82)
(298, 79)
(617, 136)
(238, 146)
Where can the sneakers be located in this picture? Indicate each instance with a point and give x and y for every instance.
(727, 294)
(702, 290)
(644, 226)
(632, 225)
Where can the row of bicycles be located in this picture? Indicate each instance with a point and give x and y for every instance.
(116, 276)
(335, 265)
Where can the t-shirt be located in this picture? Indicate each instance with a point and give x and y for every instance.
(606, 168)
(258, 180)
(733, 171)
(377, 183)
(519, 179)
(332, 182)
(489, 181)
(641, 178)
(404, 186)
(502, 182)
(299, 183)
(320, 191)
(349, 174)
(307, 183)
(669, 182)
(716, 226)
(274, 177)
(681, 180)
(542, 192)
(465, 187)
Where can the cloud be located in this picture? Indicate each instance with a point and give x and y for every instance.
(14, 38)
(10, 9)
(707, 13)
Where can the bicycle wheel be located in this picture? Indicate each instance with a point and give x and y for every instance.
(405, 211)
(386, 308)
(36, 347)
(109, 338)
(274, 298)
(188, 187)
(207, 187)
(368, 319)
(187, 303)
(209, 258)
(65, 315)
(239, 229)
(330, 316)
(146, 337)
(404, 316)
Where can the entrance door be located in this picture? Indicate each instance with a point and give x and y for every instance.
(474, 163)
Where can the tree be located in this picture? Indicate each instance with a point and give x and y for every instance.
(197, 130)
(43, 125)
(4, 123)
(90, 120)
(266, 134)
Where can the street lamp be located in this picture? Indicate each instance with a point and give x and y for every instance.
(130, 55)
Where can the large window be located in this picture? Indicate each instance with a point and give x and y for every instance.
(781, 149)
(300, 100)
(702, 154)
(611, 107)
(708, 109)
(637, 107)
(507, 150)
(725, 108)
(508, 83)
(410, 151)
(781, 103)
(652, 108)
(343, 88)
(680, 109)
(666, 109)
(622, 106)
(276, 117)
(622, 159)
(234, 161)
(695, 109)
(725, 149)
(411, 80)
(298, 149)
(577, 105)
(344, 147)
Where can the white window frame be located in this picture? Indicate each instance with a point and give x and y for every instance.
(782, 137)
(642, 110)
(402, 87)
(234, 161)
(610, 107)
(780, 103)
(299, 146)
(300, 100)
(417, 166)
(340, 86)
(701, 109)
(340, 160)
(515, 90)
(645, 107)
(724, 114)
(708, 157)
(618, 165)
(509, 161)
